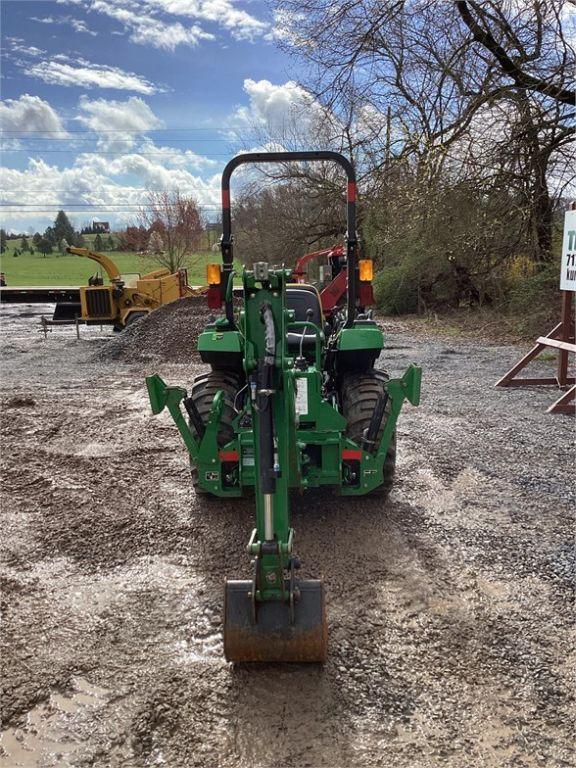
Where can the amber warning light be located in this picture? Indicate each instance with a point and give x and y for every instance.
(366, 270)
(213, 274)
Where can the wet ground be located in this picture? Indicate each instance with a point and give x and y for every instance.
(450, 607)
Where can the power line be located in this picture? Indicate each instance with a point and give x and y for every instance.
(55, 209)
(126, 190)
(108, 188)
(161, 138)
(28, 150)
(104, 130)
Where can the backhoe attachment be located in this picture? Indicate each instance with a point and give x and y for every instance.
(290, 403)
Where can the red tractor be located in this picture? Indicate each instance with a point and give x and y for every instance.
(333, 290)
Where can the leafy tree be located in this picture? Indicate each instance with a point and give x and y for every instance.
(3, 239)
(24, 245)
(45, 246)
(111, 243)
(50, 236)
(98, 243)
(63, 229)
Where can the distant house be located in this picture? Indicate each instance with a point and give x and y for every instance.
(101, 227)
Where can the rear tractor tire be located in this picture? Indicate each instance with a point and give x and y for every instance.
(204, 388)
(359, 393)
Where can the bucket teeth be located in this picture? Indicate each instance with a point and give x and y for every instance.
(277, 635)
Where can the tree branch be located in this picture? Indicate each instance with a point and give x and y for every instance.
(521, 78)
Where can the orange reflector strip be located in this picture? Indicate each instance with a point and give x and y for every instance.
(351, 192)
(228, 455)
(349, 453)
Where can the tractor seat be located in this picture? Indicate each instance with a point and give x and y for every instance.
(302, 298)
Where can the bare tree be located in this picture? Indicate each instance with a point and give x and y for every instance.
(464, 90)
(292, 205)
(176, 223)
(281, 222)
(523, 35)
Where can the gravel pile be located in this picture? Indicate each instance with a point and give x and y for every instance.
(170, 334)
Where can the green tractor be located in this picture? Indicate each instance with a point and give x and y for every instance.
(289, 402)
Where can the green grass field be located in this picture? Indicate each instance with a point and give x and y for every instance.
(55, 269)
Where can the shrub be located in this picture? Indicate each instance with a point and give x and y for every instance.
(537, 290)
(396, 289)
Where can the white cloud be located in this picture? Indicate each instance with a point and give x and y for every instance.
(146, 29)
(112, 188)
(152, 172)
(241, 24)
(281, 111)
(29, 114)
(80, 26)
(145, 20)
(273, 105)
(177, 158)
(117, 122)
(286, 27)
(60, 70)
(77, 24)
(19, 46)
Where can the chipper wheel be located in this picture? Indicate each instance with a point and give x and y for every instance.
(204, 388)
(359, 393)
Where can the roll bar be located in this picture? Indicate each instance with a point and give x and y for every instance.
(284, 157)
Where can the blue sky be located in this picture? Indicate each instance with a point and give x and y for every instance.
(103, 99)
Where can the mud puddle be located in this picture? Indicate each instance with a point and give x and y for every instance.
(52, 731)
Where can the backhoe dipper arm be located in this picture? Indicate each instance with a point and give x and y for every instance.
(108, 265)
(285, 157)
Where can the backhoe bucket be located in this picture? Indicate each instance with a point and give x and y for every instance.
(276, 635)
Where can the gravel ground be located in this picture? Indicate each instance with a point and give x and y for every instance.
(450, 607)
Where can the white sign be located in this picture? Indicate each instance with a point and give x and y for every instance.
(302, 396)
(568, 273)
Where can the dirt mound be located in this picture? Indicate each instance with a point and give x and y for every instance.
(170, 334)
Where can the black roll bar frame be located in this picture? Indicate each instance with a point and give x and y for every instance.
(226, 242)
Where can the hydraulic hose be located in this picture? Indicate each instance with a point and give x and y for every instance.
(269, 334)
(266, 419)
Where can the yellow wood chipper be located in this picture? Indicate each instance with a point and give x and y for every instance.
(121, 302)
